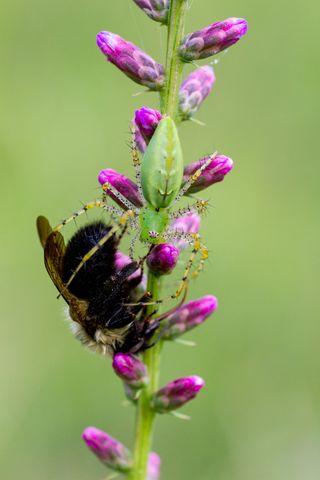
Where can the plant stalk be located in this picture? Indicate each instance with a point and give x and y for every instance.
(174, 65)
(169, 105)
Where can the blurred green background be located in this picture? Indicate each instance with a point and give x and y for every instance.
(65, 115)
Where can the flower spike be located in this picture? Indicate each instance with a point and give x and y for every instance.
(157, 10)
(111, 452)
(212, 39)
(176, 393)
(194, 90)
(131, 60)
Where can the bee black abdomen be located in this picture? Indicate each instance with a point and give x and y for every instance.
(98, 268)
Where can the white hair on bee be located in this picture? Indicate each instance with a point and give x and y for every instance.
(105, 340)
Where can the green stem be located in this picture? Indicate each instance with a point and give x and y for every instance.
(145, 415)
(169, 102)
(174, 65)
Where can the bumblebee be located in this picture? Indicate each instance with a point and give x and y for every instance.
(99, 297)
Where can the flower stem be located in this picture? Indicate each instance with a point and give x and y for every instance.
(169, 103)
(145, 415)
(174, 65)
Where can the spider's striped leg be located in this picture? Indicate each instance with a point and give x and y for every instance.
(88, 206)
(122, 226)
(136, 161)
(200, 207)
(194, 177)
(107, 187)
(197, 247)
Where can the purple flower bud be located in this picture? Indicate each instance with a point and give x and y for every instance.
(194, 89)
(130, 369)
(121, 183)
(153, 466)
(190, 315)
(176, 393)
(212, 39)
(146, 120)
(155, 9)
(111, 452)
(163, 258)
(213, 173)
(131, 60)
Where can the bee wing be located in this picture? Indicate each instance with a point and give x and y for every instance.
(54, 249)
(44, 229)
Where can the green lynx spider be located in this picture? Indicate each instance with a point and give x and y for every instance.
(152, 221)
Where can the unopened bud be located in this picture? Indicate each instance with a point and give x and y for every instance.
(130, 369)
(189, 316)
(146, 119)
(176, 393)
(215, 172)
(111, 452)
(212, 39)
(155, 9)
(122, 184)
(131, 60)
(163, 258)
(194, 89)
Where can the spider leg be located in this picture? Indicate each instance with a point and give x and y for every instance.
(200, 207)
(193, 178)
(193, 238)
(132, 244)
(107, 187)
(84, 209)
(122, 225)
(136, 160)
(197, 247)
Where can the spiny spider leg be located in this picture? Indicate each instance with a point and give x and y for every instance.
(183, 285)
(123, 224)
(197, 247)
(85, 208)
(200, 206)
(193, 178)
(108, 187)
(136, 161)
(132, 244)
